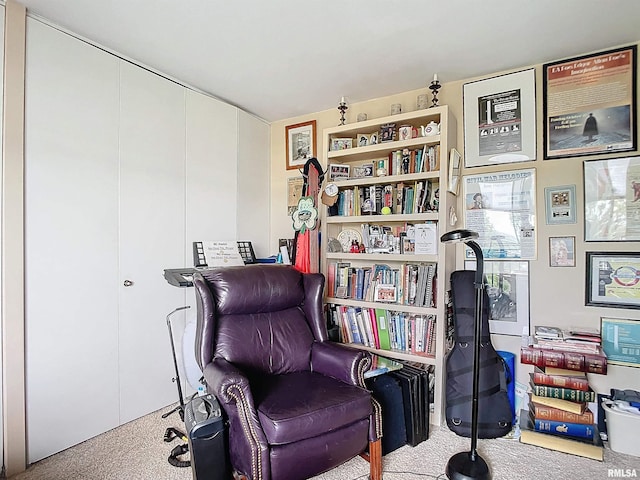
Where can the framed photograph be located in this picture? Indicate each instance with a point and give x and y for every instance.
(373, 139)
(562, 251)
(337, 171)
(612, 200)
(613, 279)
(621, 341)
(508, 290)
(363, 139)
(341, 143)
(301, 143)
(589, 104)
(500, 119)
(388, 132)
(362, 171)
(560, 204)
(455, 160)
(385, 292)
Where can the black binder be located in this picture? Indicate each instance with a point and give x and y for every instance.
(409, 382)
(423, 396)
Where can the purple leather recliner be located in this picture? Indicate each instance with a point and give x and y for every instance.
(296, 402)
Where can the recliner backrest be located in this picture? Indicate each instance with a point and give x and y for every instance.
(254, 317)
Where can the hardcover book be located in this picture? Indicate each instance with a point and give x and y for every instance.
(577, 383)
(584, 362)
(568, 429)
(569, 406)
(545, 412)
(589, 448)
(563, 393)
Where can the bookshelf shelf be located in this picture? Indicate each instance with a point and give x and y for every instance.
(400, 220)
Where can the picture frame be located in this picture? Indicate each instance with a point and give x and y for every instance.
(385, 292)
(613, 279)
(341, 143)
(373, 139)
(387, 132)
(500, 119)
(562, 251)
(362, 139)
(621, 341)
(338, 171)
(589, 104)
(362, 171)
(508, 290)
(301, 143)
(612, 200)
(455, 161)
(560, 204)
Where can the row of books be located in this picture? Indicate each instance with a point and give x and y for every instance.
(559, 417)
(426, 159)
(401, 198)
(408, 284)
(385, 329)
(591, 362)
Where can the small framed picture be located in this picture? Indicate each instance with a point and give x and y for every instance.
(373, 139)
(388, 132)
(337, 171)
(363, 139)
(300, 143)
(562, 251)
(341, 143)
(362, 171)
(560, 204)
(385, 292)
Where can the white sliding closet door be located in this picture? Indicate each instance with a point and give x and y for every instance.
(71, 240)
(152, 235)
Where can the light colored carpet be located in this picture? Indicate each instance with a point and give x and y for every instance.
(136, 451)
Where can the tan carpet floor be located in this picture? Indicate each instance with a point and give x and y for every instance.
(136, 451)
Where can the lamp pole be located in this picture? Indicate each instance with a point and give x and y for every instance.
(470, 465)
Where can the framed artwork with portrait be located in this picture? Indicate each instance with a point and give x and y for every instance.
(300, 143)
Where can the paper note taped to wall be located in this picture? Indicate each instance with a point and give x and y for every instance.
(217, 254)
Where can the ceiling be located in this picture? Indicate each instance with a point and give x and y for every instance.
(283, 58)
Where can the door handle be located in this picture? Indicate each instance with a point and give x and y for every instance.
(128, 283)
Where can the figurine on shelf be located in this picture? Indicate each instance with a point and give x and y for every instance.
(355, 247)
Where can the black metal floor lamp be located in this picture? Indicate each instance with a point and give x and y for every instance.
(469, 465)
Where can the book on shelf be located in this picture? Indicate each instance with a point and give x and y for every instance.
(545, 412)
(589, 448)
(568, 429)
(562, 393)
(383, 329)
(539, 377)
(562, 372)
(584, 362)
(567, 405)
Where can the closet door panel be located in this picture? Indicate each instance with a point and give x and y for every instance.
(152, 233)
(71, 240)
(253, 183)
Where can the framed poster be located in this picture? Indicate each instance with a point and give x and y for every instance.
(590, 104)
(301, 143)
(562, 251)
(500, 119)
(613, 279)
(560, 204)
(294, 193)
(621, 341)
(612, 200)
(501, 208)
(508, 289)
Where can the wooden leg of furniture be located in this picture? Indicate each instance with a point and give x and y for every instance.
(375, 460)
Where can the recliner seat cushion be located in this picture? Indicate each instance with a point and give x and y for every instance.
(301, 405)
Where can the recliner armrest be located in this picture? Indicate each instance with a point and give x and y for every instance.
(340, 362)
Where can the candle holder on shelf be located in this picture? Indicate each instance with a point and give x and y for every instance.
(342, 107)
(434, 87)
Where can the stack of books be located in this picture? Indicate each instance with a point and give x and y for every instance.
(559, 417)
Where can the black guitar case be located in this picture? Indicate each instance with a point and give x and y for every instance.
(494, 409)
